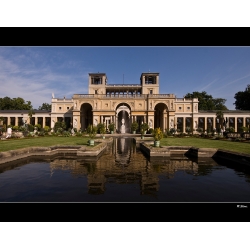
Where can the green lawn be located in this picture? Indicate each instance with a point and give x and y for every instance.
(46, 141)
(242, 147)
(5, 145)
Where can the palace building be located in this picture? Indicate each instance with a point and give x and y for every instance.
(123, 104)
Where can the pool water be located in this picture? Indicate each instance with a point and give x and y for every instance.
(123, 174)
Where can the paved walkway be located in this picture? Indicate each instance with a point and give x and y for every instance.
(125, 135)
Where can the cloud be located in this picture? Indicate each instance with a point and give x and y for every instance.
(234, 81)
(208, 85)
(36, 84)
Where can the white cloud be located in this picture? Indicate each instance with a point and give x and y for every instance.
(36, 84)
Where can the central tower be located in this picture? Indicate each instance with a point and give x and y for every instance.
(97, 83)
(150, 83)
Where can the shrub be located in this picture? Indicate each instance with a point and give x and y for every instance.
(111, 127)
(230, 129)
(78, 134)
(47, 129)
(59, 130)
(38, 126)
(188, 130)
(243, 129)
(144, 126)
(150, 131)
(41, 133)
(58, 125)
(92, 130)
(15, 128)
(66, 133)
(172, 131)
(30, 127)
(4, 128)
(101, 128)
(158, 134)
(200, 130)
(134, 126)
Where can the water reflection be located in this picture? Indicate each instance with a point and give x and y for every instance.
(123, 163)
(123, 173)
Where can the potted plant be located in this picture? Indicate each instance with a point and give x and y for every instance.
(102, 130)
(188, 130)
(158, 135)
(111, 128)
(134, 127)
(151, 131)
(91, 130)
(142, 133)
(1, 120)
(200, 130)
(144, 126)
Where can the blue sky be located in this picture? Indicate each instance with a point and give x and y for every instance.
(34, 73)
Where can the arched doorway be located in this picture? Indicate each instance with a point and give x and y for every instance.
(160, 110)
(123, 124)
(86, 115)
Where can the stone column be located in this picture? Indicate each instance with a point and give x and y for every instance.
(7, 121)
(175, 123)
(205, 120)
(116, 125)
(184, 124)
(235, 122)
(36, 120)
(44, 122)
(16, 121)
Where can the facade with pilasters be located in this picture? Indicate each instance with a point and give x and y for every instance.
(141, 102)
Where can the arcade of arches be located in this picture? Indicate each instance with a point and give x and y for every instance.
(123, 104)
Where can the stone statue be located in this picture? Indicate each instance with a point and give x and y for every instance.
(52, 124)
(123, 126)
(9, 132)
(150, 124)
(75, 123)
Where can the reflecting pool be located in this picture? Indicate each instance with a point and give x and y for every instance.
(122, 174)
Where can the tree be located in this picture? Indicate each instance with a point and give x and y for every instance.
(59, 126)
(30, 114)
(18, 103)
(243, 99)
(45, 106)
(220, 116)
(207, 102)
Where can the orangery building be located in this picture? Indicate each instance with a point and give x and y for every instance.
(123, 104)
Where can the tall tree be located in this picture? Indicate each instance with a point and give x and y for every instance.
(45, 106)
(18, 103)
(243, 99)
(207, 102)
(220, 116)
(30, 114)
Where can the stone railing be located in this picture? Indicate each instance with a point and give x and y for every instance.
(111, 96)
(183, 100)
(84, 96)
(162, 95)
